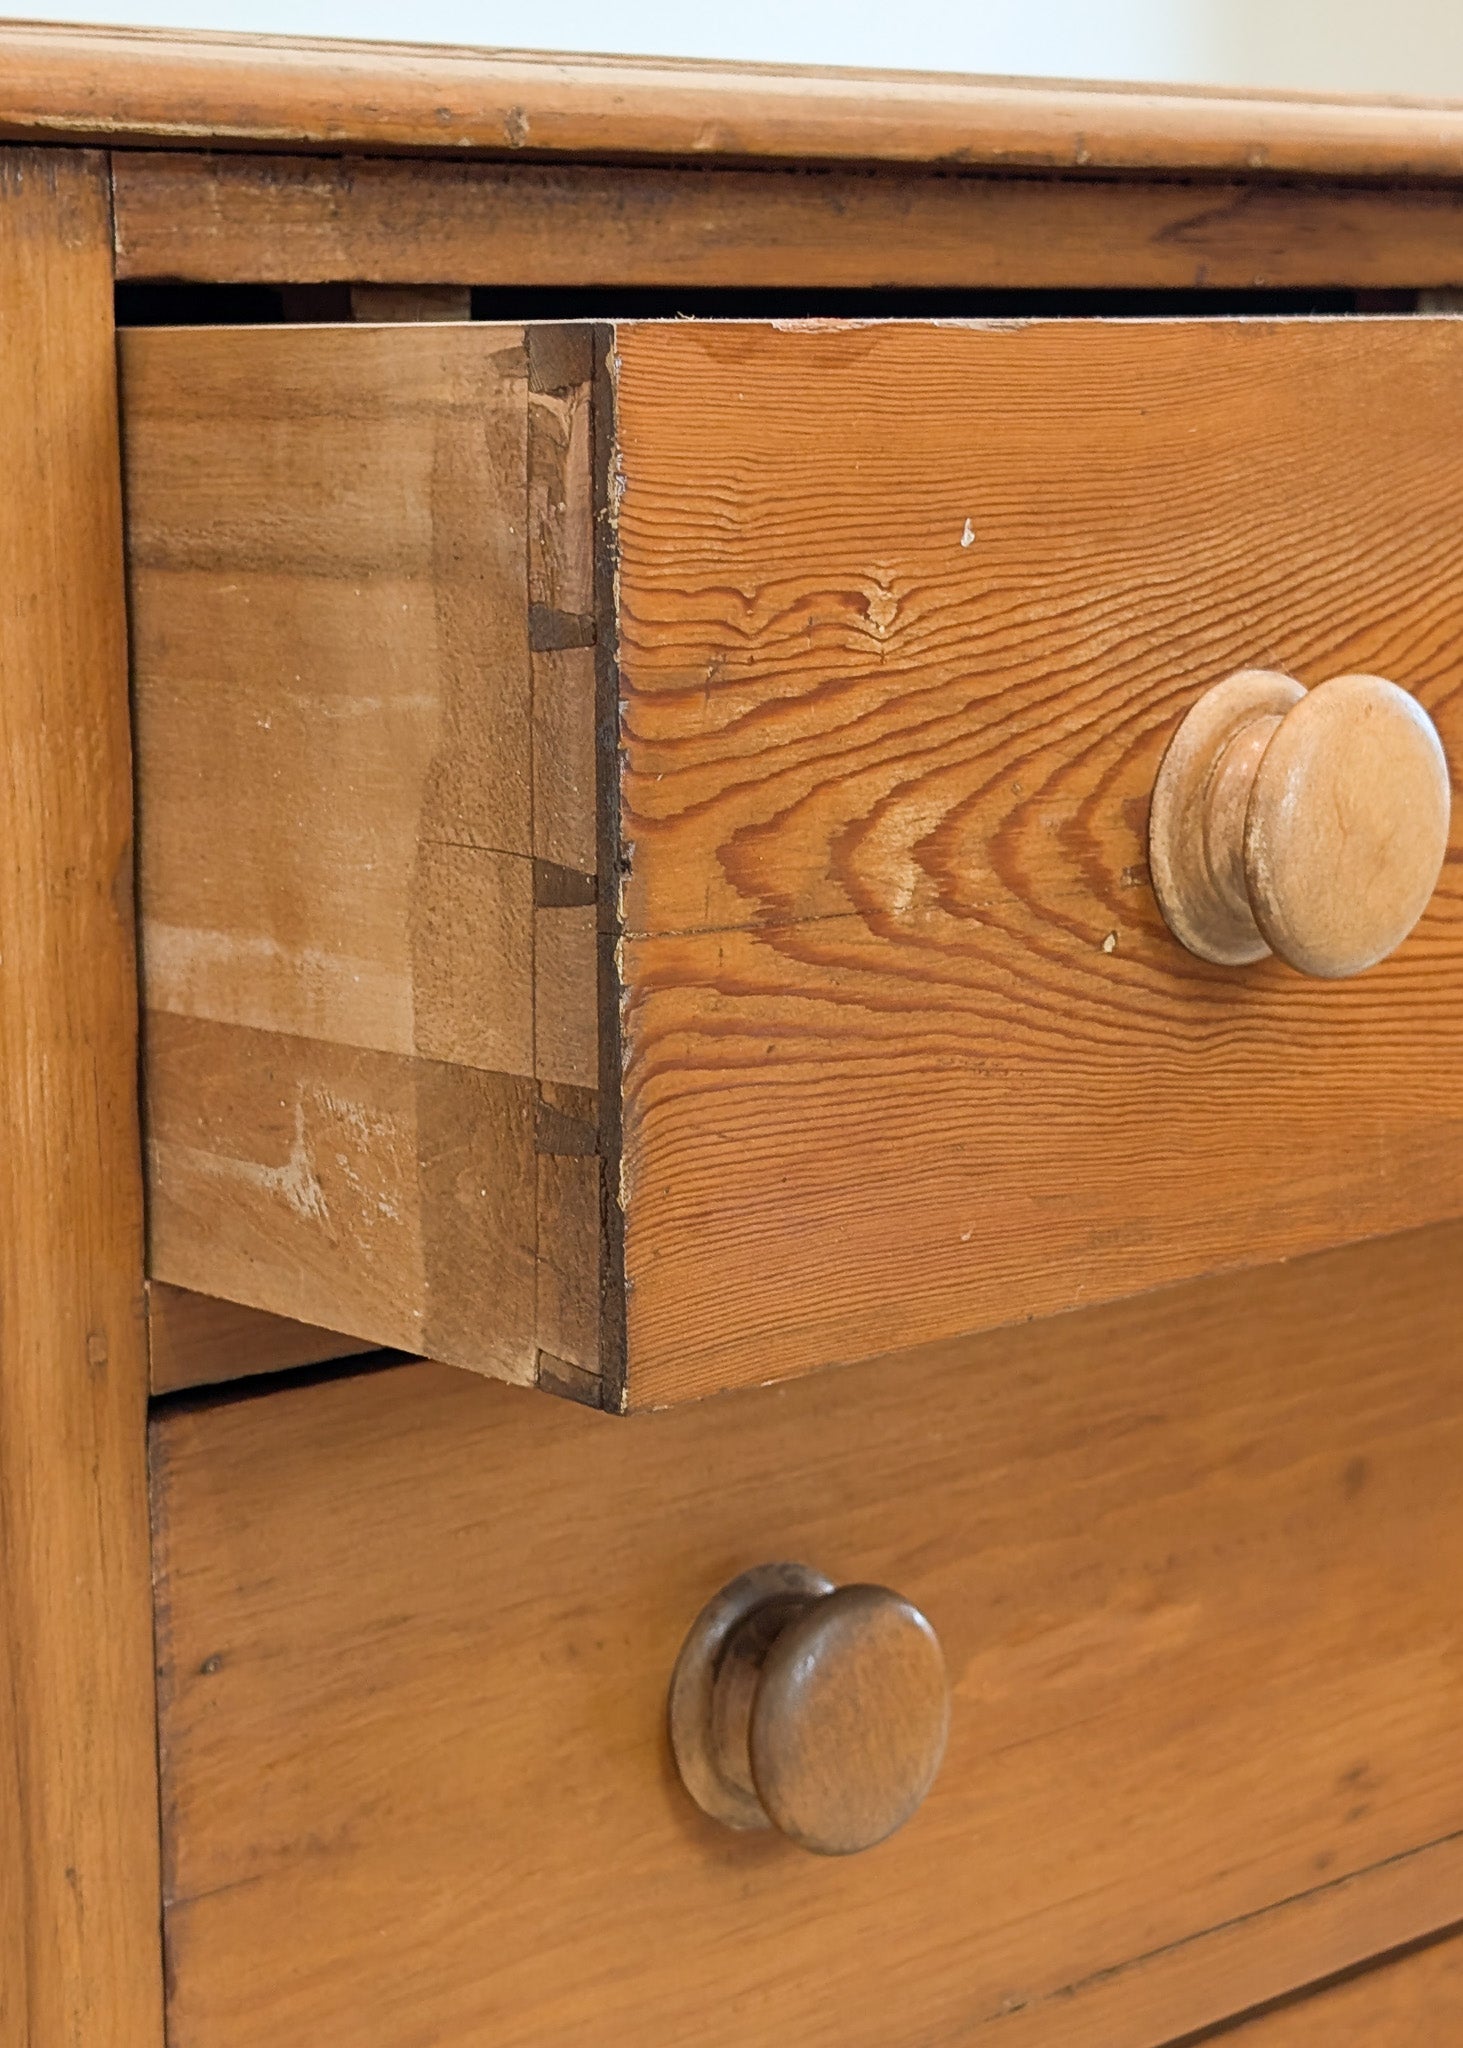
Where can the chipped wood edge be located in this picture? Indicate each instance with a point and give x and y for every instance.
(614, 1357)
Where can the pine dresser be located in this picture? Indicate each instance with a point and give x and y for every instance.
(731, 1040)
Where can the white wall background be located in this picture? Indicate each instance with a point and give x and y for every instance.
(1406, 46)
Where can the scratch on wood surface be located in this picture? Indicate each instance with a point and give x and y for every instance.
(295, 1181)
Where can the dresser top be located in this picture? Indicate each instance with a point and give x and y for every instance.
(147, 87)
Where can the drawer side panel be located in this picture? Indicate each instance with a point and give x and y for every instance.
(366, 840)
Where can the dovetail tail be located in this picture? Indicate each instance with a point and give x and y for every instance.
(562, 1137)
(573, 1382)
(549, 630)
(559, 358)
(561, 888)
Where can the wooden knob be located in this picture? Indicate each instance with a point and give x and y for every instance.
(1311, 824)
(819, 1711)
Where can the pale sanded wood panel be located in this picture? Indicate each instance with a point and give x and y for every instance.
(225, 218)
(907, 616)
(1190, 1558)
(80, 1955)
(362, 964)
(1414, 2001)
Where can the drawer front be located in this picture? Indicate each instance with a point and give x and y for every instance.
(908, 615)
(1190, 1560)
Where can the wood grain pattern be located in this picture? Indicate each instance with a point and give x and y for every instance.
(1417, 1999)
(907, 615)
(80, 1958)
(222, 219)
(137, 85)
(1190, 1559)
(359, 977)
(196, 1340)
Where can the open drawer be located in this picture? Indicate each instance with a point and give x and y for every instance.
(644, 829)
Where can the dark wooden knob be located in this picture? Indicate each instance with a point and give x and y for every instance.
(1311, 824)
(819, 1711)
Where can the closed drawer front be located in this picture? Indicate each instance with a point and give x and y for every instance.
(807, 1000)
(1190, 1561)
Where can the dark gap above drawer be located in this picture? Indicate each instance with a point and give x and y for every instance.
(549, 302)
(188, 305)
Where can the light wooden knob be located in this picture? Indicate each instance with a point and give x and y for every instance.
(819, 1711)
(1311, 824)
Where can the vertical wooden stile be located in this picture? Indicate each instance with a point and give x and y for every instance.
(80, 1950)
